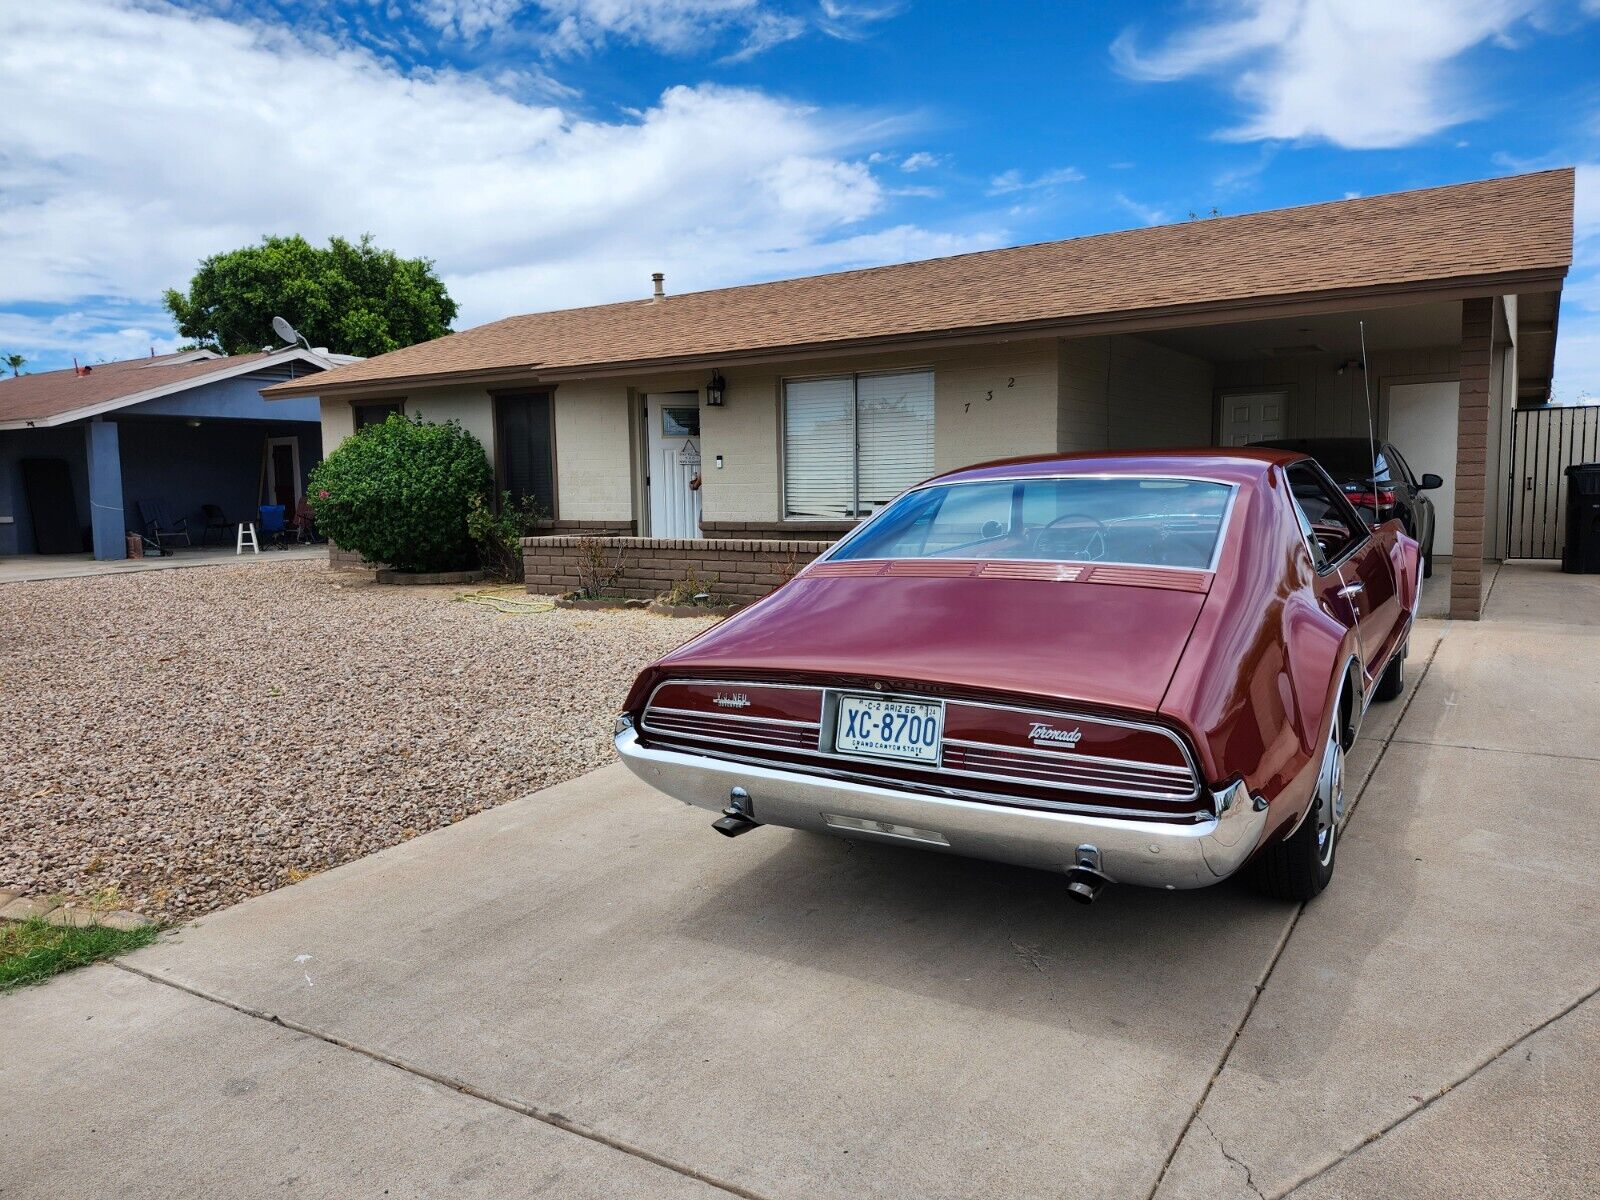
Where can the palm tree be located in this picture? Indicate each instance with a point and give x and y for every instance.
(16, 363)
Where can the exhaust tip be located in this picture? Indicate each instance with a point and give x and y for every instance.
(733, 825)
(1084, 885)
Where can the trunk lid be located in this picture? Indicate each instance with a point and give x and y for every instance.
(1112, 643)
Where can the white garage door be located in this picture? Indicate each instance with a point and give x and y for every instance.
(1422, 426)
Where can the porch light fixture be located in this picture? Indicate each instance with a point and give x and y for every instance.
(716, 390)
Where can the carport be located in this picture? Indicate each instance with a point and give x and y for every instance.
(81, 448)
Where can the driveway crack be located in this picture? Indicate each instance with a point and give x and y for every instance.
(1249, 1175)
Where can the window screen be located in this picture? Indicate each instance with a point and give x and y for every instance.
(526, 450)
(853, 443)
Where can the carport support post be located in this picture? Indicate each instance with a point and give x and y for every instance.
(1472, 454)
(104, 454)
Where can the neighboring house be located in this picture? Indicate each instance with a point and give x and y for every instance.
(804, 405)
(79, 448)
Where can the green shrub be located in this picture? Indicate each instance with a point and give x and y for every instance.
(400, 493)
(498, 535)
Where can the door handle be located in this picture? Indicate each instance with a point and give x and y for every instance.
(1352, 589)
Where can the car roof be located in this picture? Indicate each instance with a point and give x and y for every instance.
(1231, 464)
(1312, 445)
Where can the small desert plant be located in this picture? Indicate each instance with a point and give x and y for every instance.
(598, 572)
(691, 589)
(790, 567)
(498, 535)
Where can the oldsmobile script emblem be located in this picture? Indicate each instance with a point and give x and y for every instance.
(737, 700)
(1050, 735)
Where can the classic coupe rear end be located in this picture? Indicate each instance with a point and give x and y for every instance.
(1114, 667)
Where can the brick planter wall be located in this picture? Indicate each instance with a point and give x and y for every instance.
(734, 569)
(622, 527)
(783, 531)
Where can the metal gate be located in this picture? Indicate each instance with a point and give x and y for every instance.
(1544, 443)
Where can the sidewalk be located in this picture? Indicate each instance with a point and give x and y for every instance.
(25, 568)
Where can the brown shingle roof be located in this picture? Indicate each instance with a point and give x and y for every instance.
(51, 393)
(1515, 225)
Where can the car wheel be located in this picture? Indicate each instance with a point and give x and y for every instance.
(1394, 677)
(1427, 560)
(1300, 866)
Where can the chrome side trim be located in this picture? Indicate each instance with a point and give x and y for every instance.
(1150, 852)
(722, 716)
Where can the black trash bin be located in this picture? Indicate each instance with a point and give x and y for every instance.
(1581, 554)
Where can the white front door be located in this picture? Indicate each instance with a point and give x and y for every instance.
(1422, 426)
(673, 439)
(1252, 417)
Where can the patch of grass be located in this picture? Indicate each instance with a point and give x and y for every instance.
(31, 951)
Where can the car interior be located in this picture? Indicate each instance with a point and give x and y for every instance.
(1332, 525)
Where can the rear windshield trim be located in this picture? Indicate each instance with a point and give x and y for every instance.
(1216, 550)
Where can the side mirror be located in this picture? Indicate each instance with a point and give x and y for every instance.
(1428, 482)
(991, 529)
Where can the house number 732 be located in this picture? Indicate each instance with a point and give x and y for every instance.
(1011, 381)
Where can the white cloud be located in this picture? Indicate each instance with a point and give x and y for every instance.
(93, 335)
(139, 140)
(922, 160)
(1586, 199)
(1358, 73)
(1146, 214)
(673, 26)
(1011, 181)
(1577, 370)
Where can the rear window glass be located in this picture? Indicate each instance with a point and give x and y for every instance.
(1136, 521)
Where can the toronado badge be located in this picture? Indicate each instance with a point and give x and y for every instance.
(1051, 736)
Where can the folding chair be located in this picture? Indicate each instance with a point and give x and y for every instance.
(160, 528)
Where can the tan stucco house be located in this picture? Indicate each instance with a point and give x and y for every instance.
(801, 406)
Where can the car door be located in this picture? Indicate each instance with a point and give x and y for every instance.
(1355, 579)
(1420, 508)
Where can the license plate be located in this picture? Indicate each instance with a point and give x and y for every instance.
(902, 729)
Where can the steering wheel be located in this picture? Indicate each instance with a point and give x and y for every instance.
(1072, 535)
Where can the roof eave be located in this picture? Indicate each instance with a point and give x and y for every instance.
(167, 389)
(1131, 321)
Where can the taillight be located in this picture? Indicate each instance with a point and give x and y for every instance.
(1371, 499)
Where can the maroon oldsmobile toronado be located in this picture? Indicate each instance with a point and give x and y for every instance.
(1143, 668)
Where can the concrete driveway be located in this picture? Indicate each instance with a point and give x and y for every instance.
(587, 993)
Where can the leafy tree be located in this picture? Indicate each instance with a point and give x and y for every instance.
(351, 297)
(401, 493)
(16, 362)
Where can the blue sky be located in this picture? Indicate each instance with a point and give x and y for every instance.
(548, 153)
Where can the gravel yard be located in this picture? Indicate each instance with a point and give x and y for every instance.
(191, 738)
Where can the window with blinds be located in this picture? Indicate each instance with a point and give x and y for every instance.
(852, 443)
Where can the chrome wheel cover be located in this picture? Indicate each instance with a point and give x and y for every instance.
(1330, 795)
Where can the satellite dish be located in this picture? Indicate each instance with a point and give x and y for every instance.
(285, 331)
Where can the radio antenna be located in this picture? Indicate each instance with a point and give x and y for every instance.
(1372, 437)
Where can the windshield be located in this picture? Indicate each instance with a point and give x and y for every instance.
(1149, 522)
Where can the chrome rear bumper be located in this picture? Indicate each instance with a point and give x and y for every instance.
(1149, 853)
